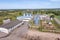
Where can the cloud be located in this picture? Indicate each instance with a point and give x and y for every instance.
(24, 5)
(55, 0)
(28, 5)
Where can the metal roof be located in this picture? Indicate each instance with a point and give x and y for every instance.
(11, 24)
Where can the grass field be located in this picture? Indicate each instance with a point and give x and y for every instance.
(11, 16)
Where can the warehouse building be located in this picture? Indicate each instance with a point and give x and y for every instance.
(7, 28)
(25, 17)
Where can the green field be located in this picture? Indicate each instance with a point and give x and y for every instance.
(10, 15)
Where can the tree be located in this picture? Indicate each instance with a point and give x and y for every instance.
(52, 16)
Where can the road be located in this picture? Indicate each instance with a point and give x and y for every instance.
(17, 33)
(57, 20)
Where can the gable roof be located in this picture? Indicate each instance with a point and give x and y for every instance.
(11, 24)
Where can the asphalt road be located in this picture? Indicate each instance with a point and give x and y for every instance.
(17, 33)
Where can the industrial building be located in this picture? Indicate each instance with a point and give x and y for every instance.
(25, 17)
(7, 28)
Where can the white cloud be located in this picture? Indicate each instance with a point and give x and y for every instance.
(29, 4)
(55, 0)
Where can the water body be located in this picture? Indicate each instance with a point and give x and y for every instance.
(36, 20)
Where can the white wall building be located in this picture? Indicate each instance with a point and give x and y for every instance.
(7, 28)
(6, 21)
(25, 17)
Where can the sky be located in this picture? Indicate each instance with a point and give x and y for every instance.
(29, 4)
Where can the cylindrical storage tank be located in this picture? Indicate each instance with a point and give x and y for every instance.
(3, 32)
